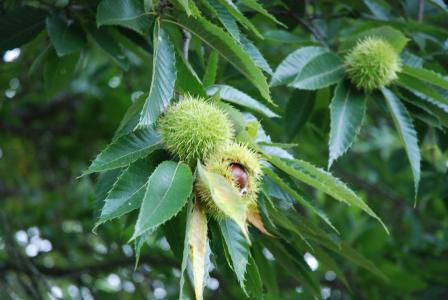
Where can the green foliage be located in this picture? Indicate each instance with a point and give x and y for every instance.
(167, 191)
(347, 109)
(162, 79)
(202, 114)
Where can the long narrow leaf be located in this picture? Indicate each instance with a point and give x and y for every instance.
(323, 181)
(125, 150)
(408, 135)
(219, 40)
(163, 78)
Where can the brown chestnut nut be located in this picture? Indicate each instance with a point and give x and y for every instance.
(240, 176)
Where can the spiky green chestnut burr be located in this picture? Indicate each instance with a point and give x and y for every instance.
(192, 129)
(240, 166)
(372, 64)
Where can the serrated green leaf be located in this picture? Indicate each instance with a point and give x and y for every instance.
(321, 71)
(219, 40)
(236, 13)
(225, 197)
(163, 78)
(347, 110)
(323, 181)
(260, 9)
(299, 197)
(292, 65)
(423, 91)
(237, 247)
(20, 26)
(212, 68)
(139, 243)
(107, 42)
(198, 249)
(256, 55)
(408, 135)
(391, 35)
(128, 190)
(232, 95)
(226, 19)
(167, 191)
(127, 13)
(254, 283)
(125, 150)
(428, 76)
(65, 36)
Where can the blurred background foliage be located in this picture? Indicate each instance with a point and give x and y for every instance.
(57, 112)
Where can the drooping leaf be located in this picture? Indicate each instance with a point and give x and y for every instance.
(128, 191)
(322, 70)
(408, 135)
(125, 150)
(212, 68)
(216, 38)
(391, 35)
(292, 65)
(65, 36)
(232, 95)
(323, 181)
(225, 197)
(237, 247)
(198, 249)
(163, 78)
(299, 197)
(256, 55)
(126, 13)
(20, 26)
(254, 283)
(347, 111)
(107, 42)
(167, 191)
(426, 75)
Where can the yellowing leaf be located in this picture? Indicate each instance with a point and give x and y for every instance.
(225, 197)
(254, 217)
(198, 244)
